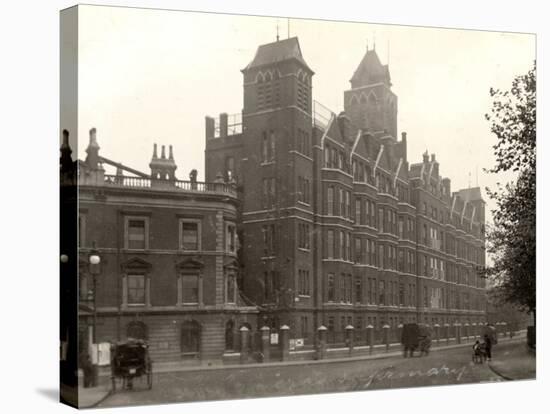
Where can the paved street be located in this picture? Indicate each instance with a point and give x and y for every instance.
(451, 366)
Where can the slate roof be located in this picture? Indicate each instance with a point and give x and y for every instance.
(278, 51)
(370, 70)
(470, 194)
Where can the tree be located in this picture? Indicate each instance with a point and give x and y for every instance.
(512, 237)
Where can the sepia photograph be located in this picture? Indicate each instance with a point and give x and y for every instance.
(263, 206)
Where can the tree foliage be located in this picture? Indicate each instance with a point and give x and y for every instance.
(512, 238)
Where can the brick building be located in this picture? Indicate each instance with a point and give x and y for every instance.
(168, 252)
(337, 227)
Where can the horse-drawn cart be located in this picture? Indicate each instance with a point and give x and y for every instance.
(130, 360)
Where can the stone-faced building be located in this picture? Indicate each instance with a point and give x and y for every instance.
(168, 251)
(337, 228)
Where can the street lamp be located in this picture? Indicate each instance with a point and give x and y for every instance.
(94, 267)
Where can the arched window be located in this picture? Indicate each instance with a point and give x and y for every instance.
(363, 99)
(190, 338)
(137, 330)
(354, 100)
(372, 99)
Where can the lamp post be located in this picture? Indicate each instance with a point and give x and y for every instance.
(94, 267)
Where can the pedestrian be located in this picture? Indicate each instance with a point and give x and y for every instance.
(488, 344)
(87, 368)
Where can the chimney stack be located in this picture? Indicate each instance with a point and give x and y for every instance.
(155, 155)
(210, 127)
(163, 153)
(93, 151)
(171, 155)
(223, 125)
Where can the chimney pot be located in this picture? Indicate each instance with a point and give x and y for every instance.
(403, 136)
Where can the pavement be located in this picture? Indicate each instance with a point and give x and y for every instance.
(92, 396)
(514, 362)
(517, 363)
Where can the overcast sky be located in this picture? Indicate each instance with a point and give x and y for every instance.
(150, 76)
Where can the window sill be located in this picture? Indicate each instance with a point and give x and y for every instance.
(264, 163)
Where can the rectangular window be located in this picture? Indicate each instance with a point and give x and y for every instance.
(330, 201)
(190, 289)
(342, 250)
(369, 291)
(136, 235)
(271, 151)
(268, 232)
(342, 203)
(342, 284)
(331, 289)
(358, 291)
(230, 234)
(136, 289)
(381, 292)
(272, 192)
(303, 236)
(426, 297)
(401, 294)
(268, 193)
(348, 204)
(349, 248)
(348, 288)
(268, 287)
(190, 233)
(303, 282)
(358, 251)
(358, 211)
(330, 244)
(265, 147)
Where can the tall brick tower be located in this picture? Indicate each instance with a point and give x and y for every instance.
(279, 169)
(370, 103)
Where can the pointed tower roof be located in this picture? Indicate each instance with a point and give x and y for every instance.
(470, 194)
(370, 71)
(278, 51)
